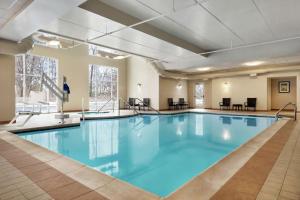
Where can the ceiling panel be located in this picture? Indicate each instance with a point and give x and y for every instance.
(242, 17)
(38, 13)
(152, 42)
(124, 45)
(186, 33)
(7, 4)
(3, 13)
(167, 6)
(71, 30)
(233, 58)
(203, 23)
(283, 16)
(132, 7)
(91, 21)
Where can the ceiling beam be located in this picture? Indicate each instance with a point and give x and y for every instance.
(116, 15)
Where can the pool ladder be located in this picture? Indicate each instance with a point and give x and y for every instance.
(277, 115)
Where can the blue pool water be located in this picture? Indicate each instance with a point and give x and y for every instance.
(158, 153)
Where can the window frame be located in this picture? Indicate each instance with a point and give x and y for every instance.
(24, 75)
(97, 102)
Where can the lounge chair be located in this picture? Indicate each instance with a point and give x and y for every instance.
(171, 104)
(225, 103)
(182, 104)
(251, 103)
(145, 104)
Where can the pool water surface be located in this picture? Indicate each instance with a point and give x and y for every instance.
(158, 153)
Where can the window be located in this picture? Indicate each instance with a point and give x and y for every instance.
(103, 86)
(29, 94)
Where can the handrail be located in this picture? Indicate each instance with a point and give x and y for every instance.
(98, 110)
(281, 109)
(128, 105)
(141, 101)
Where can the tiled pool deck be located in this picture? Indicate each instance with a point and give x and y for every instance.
(266, 167)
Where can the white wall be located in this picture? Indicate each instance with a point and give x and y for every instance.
(241, 87)
(238, 89)
(168, 89)
(139, 71)
(7, 88)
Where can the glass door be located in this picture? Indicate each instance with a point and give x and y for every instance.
(199, 95)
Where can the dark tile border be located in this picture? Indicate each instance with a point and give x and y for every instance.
(55, 183)
(248, 181)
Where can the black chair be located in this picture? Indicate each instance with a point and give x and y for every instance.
(145, 104)
(131, 103)
(225, 103)
(182, 103)
(251, 103)
(171, 104)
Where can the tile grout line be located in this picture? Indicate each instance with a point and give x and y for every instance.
(37, 182)
(293, 151)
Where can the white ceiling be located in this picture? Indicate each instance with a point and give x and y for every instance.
(208, 24)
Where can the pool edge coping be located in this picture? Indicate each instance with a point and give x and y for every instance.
(125, 184)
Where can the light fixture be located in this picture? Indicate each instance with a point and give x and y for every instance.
(202, 69)
(54, 43)
(139, 85)
(226, 87)
(253, 63)
(119, 57)
(179, 86)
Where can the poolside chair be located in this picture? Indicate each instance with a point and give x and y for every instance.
(171, 104)
(251, 103)
(145, 103)
(131, 103)
(225, 103)
(182, 104)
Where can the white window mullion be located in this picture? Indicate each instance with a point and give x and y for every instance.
(24, 81)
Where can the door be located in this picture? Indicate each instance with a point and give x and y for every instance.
(199, 95)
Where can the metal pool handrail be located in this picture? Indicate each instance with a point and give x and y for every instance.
(141, 101)
(281, 109)
(120, 99)
(99, 109)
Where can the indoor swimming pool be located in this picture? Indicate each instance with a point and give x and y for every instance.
(158, 153)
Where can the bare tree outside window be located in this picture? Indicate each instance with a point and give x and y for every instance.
(29, 69)
(103, 84)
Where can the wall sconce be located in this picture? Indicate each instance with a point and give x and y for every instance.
(179, 86)
(139, 85)
(226, 86)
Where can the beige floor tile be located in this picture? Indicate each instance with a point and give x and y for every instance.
(266, 196)
(65, 165)
(43, 197)
(10, 195)
(45, 155)
(90, 177)
(118, 190)
(290, 195)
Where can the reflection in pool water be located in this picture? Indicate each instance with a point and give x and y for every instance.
(156, 153)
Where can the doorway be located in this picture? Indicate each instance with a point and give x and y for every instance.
(199, 95)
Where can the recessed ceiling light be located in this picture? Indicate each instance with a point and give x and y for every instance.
(253, 63)
(54, 43)
(202, 69)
